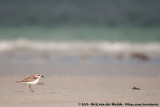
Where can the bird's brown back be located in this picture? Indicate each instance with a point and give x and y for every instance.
(29, 79)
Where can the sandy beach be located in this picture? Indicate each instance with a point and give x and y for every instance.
(75, 82)
(73, 91)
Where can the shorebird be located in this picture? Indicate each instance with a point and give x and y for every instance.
(34, 79)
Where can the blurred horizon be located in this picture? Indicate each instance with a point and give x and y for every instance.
(105, 13)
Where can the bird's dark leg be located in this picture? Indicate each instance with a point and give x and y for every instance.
(30, 88)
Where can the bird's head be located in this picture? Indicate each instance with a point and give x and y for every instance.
(38, 75)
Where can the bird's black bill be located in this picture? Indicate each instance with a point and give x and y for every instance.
(42, 76)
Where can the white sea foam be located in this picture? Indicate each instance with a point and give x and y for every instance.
(105, 47)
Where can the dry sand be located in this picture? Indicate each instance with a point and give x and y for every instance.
(71, 81)
(72, 91)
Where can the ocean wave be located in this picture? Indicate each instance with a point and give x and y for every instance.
(105, 47)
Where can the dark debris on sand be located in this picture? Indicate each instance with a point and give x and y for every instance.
(140, 56)
(135, 88)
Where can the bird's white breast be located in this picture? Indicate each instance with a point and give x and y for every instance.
(33, 82)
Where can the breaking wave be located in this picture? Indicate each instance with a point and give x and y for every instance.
(105, 47)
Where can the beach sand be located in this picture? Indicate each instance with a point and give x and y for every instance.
(63, 86)
(72, 91)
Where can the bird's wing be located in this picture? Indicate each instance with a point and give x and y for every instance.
(29, 79)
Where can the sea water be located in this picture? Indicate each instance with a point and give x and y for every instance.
(94, 37)
(102, 40)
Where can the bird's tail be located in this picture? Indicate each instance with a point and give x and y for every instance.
(18, 81)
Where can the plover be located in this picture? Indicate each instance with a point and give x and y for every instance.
(34, 79)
